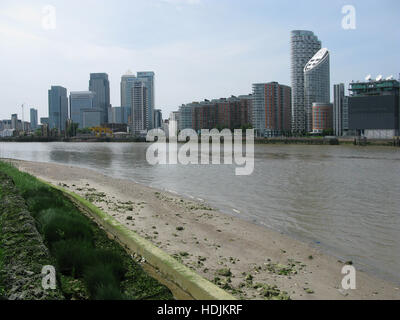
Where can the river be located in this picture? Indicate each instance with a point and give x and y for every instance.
(344, 199)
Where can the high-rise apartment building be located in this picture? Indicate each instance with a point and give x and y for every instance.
(317, 87)
(34, 118)
(304, 45)
(80, 101)
(58, 108)
(271, 109)
(340, 110)
(100, 85)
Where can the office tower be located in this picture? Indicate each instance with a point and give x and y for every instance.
(58, 108)
(14, 121)
(100, 85)
(34, 119)
(340, 110)
(139, 108)
(147, 78)
(157, 119)
(374, 108)
(91, 118)
(80, 101)
(317, 87)
(304, 45)
(127, 82)
(186, 116)
(322, 114)
(271, 109)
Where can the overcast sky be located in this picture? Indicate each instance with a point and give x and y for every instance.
(197, 48)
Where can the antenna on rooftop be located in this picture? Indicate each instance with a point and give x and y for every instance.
(379, 78)
(368, 77)
(389, 78)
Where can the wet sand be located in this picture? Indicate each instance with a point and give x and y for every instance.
(241, 257)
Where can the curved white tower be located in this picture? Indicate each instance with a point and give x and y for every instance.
(316, 83)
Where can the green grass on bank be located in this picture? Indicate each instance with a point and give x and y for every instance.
(82, 251)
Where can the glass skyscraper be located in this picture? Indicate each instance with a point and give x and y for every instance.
(34, 118)
(58, 107)
(316, 83)
(147, 78)
(304, 45)
(80, 101)
(100, 85)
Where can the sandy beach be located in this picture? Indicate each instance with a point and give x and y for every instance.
(233, 253)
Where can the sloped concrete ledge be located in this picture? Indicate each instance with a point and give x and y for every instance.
(186, 279)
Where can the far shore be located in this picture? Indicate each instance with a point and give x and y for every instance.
(237, 255)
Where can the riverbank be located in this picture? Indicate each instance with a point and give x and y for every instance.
(239, 256)
(275, 141)
(39, 227)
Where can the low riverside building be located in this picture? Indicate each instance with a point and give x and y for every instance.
(374, 108)
(322, 117)
(231, 113)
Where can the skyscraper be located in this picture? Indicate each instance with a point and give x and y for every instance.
(147, 78)
(34, 118)
(271, 109)
(80, 101)
(316, 84)
(127, 82)
(340, 110)
(100, 85)
(58, 107)
(304, 45)
(139, 108)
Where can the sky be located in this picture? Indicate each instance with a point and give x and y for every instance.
(199, 49)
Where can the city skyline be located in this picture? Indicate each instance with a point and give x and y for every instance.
(188, 62)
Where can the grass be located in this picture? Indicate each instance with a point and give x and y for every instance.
(82, 251)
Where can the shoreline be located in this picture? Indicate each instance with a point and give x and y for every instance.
(216, 245)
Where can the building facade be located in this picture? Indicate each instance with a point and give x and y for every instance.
(58, 108)
(374, 108)
(340, 110)
(157, 120)
(231, 113)
(139, 108)
(304, 45)
(271, 109)
(317, 87)
(322, 117)
(80, 101)
(127, 82)
(100, 85)
(147, 78)
(34, 118)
